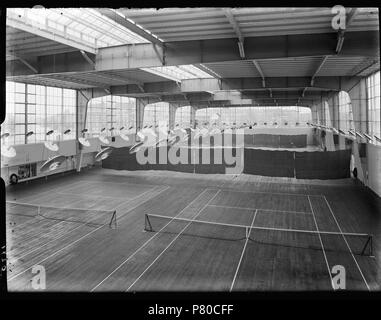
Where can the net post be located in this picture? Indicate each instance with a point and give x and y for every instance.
(147, 224)
(369, 243)
(113, 218)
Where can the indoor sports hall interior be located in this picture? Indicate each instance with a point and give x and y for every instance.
(192, 149)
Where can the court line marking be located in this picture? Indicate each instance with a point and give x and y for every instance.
(139, 196)
(15, 203)
(32, 219)
(228, 189)
(71, 222)
(54, 253)
(243, 252)
(302, 182)
(322, 246)
(44, 193)
(65, 192)
(249, 208)
(39, 218)
(55, 189)
(149, 240)
(109, 182)
(234, 176)
(345, 240)
(87, 234)
(173, 240)
(54, 239)
(89, 195)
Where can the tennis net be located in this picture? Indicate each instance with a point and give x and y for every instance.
(78, 215)
(359, 243)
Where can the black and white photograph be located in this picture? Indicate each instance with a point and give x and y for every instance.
(191, 150)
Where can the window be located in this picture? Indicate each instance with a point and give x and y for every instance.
(14, 122)
(69, 114)
(39, 109)
(374, 111)
(111, 112)
(251, 115)
(183, 116)
(156, 114)
(345, 112)
(124, 113)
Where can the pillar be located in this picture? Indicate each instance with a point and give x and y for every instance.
(140, 105)
(172, 114)
(193, 117)
(359, 101)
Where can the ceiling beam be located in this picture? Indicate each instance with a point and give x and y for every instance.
(222, 50)
(111, 76)
(255, 83)
(72, 78)
(230, 16)
(341, 32)
(323, 60)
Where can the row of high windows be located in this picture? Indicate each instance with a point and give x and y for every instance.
(32, 111)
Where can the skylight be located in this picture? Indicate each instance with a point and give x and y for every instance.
(85, 25)
(178, 73)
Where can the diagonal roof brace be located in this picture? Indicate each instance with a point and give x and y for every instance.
(161, 56)
(372, 62)
(182, 93)
(229, 15)
(258, 67)
(83, 95)
(141, 87)
(26, 63)
(325, 58)
(87, 58)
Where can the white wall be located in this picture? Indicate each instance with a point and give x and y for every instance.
(374, 167)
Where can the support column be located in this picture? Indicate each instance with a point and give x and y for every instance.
(327, 114)
(140, 105)
(172, 114)
(83, 100)
(314, 114)
(321, 115)
(333, 108)
(359, 103)
(193, 117)
(83, 97)
(358, 96)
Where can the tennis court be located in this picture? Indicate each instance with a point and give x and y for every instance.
(189, 232)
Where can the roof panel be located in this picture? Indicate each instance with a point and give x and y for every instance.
(234, 69)
(176, 24)
(340, 66)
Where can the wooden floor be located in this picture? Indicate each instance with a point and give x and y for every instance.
(85, 257)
